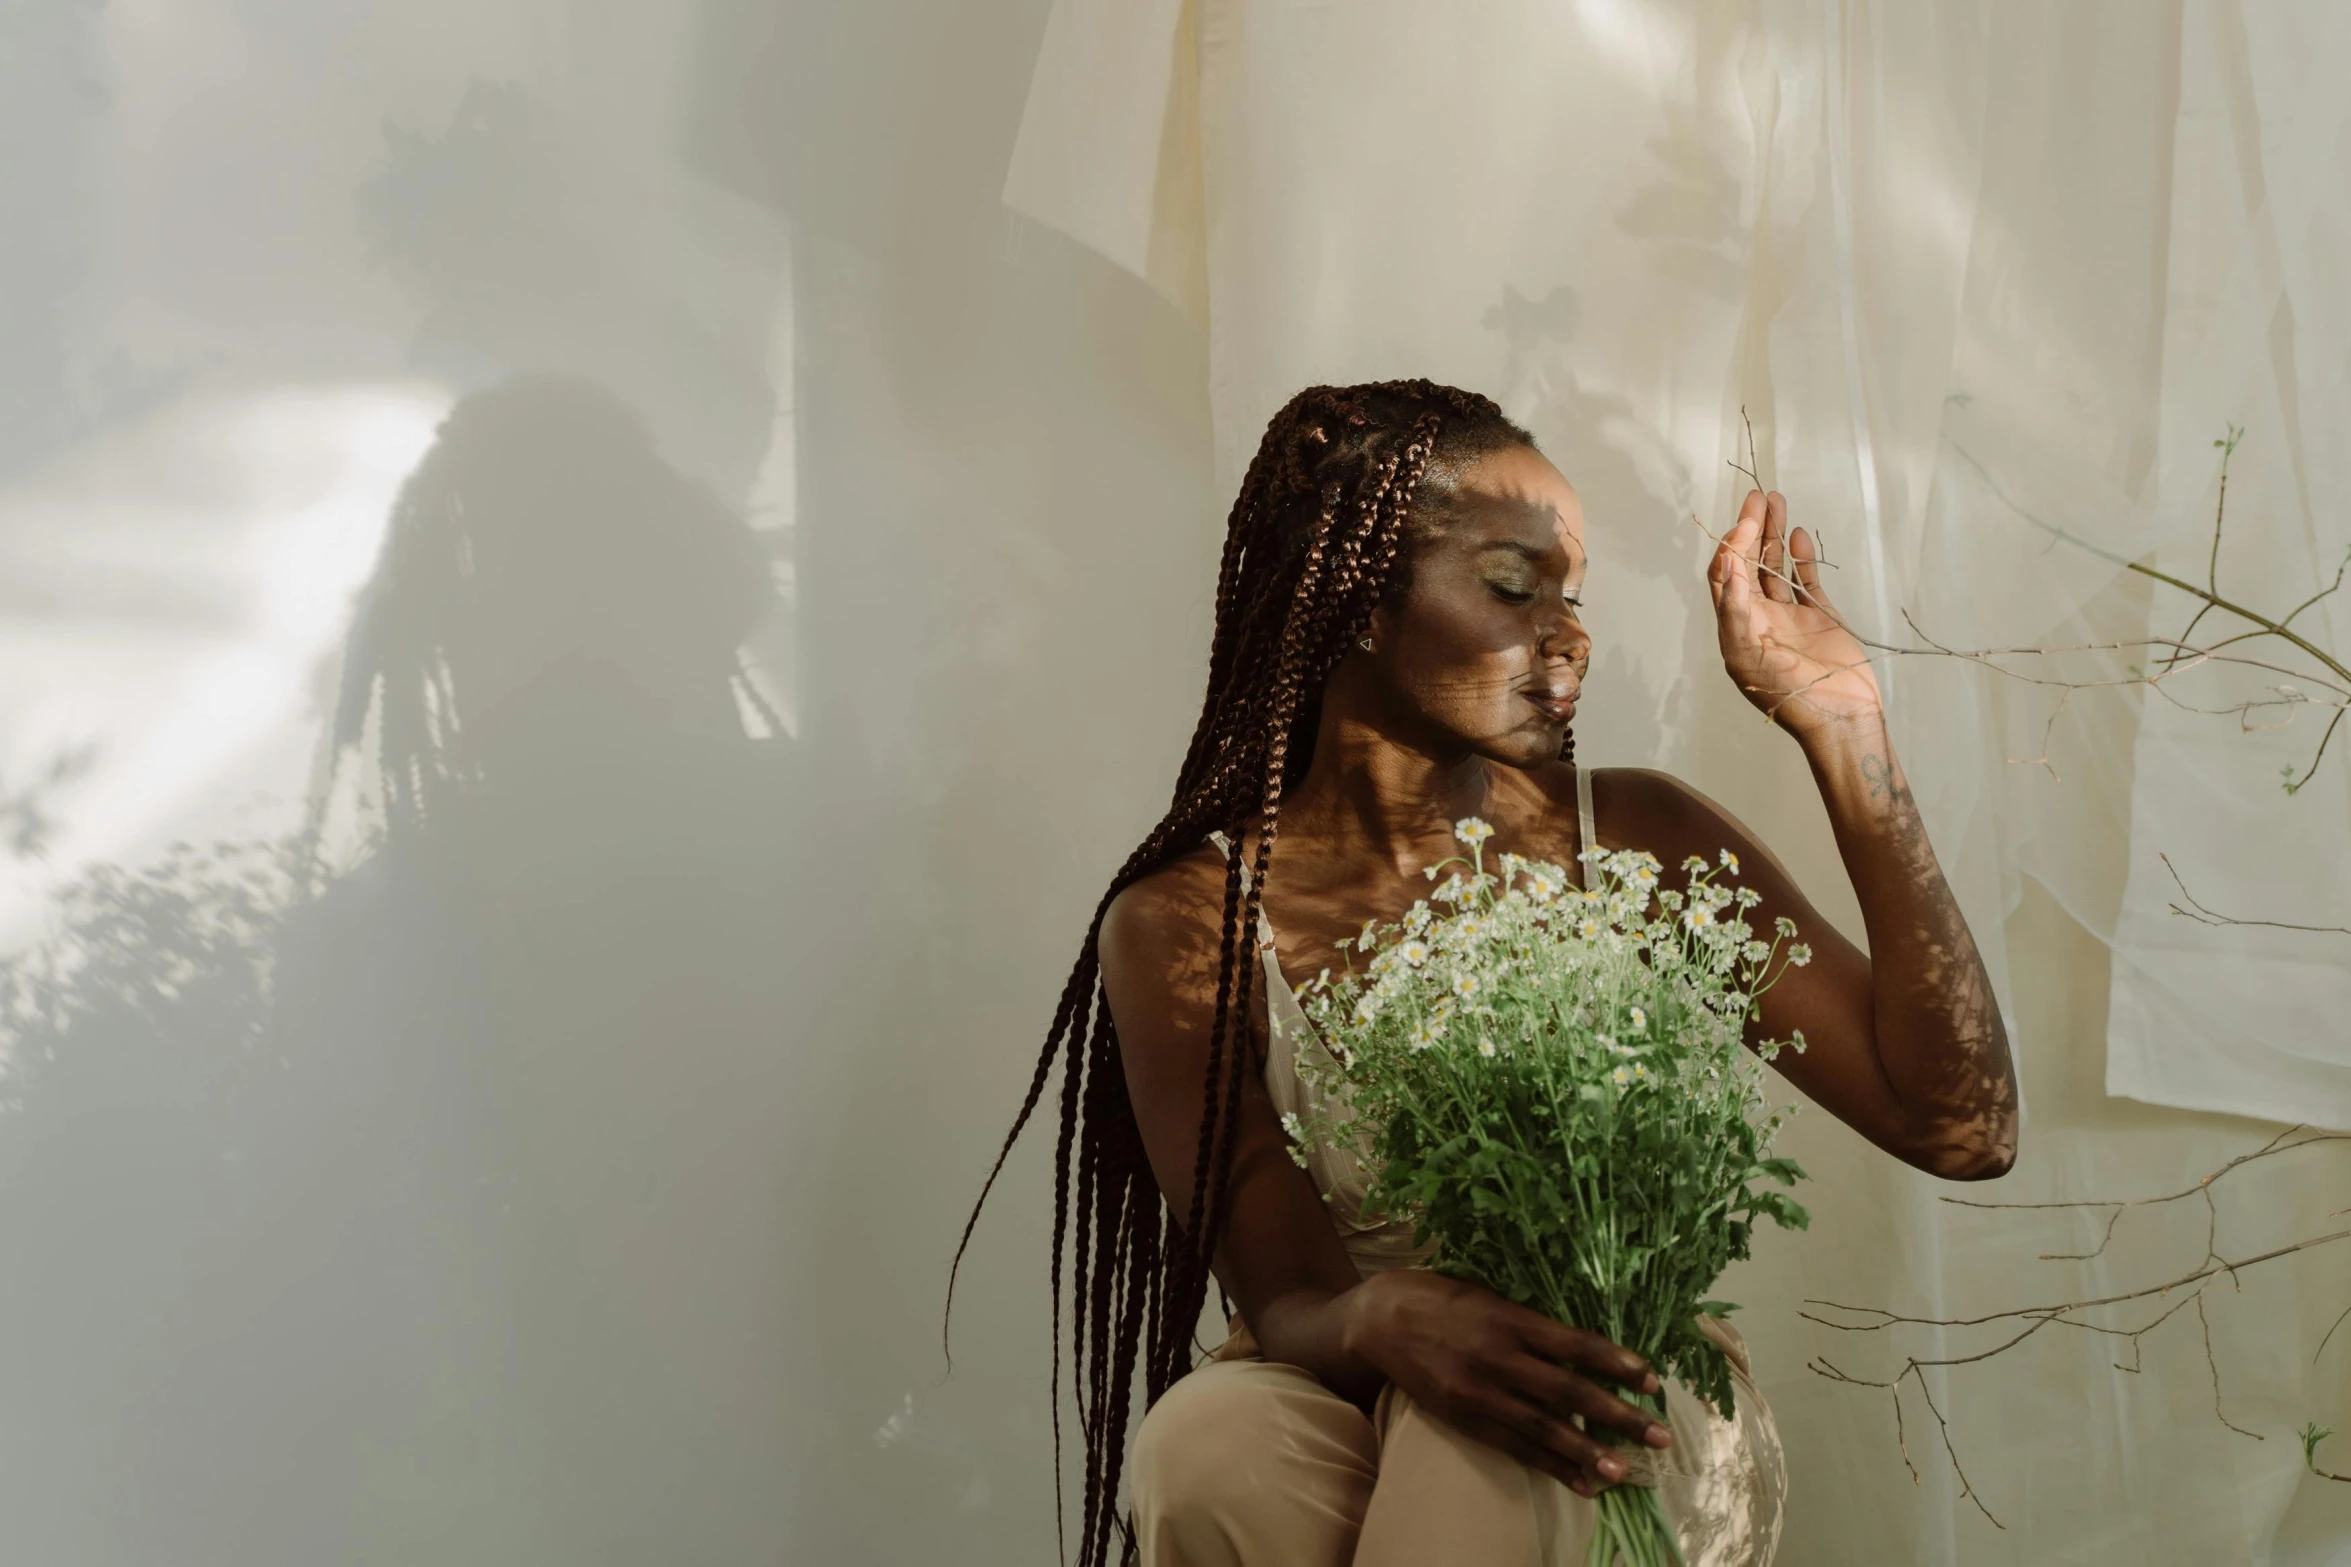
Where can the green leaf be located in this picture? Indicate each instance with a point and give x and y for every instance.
(1784, 1211)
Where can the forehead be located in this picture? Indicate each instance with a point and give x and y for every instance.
(1515, 497)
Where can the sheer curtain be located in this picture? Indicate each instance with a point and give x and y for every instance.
(1959, 279)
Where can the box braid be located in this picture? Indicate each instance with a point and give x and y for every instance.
(1343, 482)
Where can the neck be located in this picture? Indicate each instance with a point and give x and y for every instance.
(1375, 792)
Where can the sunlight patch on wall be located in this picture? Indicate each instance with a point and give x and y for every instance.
(773, 509)
(181, 585)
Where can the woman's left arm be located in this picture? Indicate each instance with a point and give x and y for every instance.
(1904, 1043)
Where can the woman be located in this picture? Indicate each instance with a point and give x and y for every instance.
(1398, 646)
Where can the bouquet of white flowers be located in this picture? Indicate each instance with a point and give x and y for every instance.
(1549, 1082)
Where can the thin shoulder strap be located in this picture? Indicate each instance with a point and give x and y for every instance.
(1587, 831)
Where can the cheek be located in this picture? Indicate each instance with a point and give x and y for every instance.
(1460, 664)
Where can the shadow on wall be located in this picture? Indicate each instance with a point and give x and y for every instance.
(410, 1212)
(533, 233)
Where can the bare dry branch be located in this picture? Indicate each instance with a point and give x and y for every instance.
(2202, 915)
(1893, 1389)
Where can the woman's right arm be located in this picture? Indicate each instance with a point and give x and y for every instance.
(1499, 1372)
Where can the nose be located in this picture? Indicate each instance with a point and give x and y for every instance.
(1564, 637)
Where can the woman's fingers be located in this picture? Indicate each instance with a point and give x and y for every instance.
(1544, 1442)
(1733, 578)
(1804, 556)
(1574, 1476)
(1588, 1352)
(1775, 550)
(1564, 1393)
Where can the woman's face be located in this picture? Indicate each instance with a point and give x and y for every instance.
(1485, 648)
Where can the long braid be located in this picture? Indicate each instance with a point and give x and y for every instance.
(1314, 544)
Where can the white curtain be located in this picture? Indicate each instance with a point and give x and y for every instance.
(1961, 278)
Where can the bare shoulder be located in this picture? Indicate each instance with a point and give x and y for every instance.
(1644, 797)
(1636, 808)
(1155, 932)
(1643, 808)
(1634, 804)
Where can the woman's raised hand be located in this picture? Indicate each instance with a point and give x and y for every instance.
(1782, 641)
(1510, 1377)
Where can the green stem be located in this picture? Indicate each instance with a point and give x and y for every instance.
(1630, 1528)
(2268, 626)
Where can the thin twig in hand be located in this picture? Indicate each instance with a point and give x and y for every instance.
(1754, 468)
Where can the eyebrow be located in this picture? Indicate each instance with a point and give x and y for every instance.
(1532, 555)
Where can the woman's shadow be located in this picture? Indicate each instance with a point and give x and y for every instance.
(433, 1198)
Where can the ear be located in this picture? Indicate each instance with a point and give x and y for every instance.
(1378, 628)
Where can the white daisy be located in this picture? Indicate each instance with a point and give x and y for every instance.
(1297, 1148)
(1640, 1019)
(1471, 831)
(1730, 862)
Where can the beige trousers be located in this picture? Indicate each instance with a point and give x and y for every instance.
(1249, 1463)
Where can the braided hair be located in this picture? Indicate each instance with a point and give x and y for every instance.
(1343, 482)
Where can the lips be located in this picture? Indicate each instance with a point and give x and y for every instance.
(1558, 708)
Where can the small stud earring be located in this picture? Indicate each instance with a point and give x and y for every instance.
(1367, 644)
